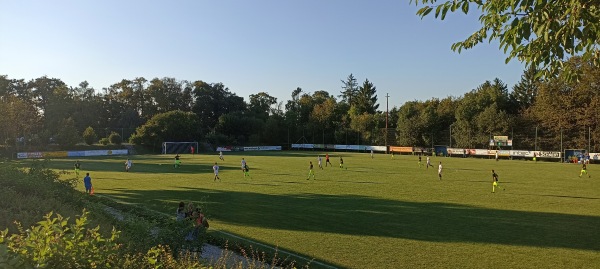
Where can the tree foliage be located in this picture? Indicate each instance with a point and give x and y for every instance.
(349, 89)
(89, 135)
(542, 34)
(170, 126)
(366, 98)
(45, 110)
(67, 135)
(115, 138)
(570, 108)
(526, 90)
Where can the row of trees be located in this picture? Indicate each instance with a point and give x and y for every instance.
(45, 110)
(535, 113)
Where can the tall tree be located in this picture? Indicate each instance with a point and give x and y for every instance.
(570, 108)
(43, 89)
(292, 108)
(480, 114)
(170, 126)
(525, 91)
(167, 94)
(366, 98)
(349, 89)
(540, 33)
(214, 100)
(261, 105)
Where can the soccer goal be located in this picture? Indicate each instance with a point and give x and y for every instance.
(179, 147)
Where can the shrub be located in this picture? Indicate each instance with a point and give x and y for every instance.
(104, 141)
(54, 243)
(89, 135)
(115, 138)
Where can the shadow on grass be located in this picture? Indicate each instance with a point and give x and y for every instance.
(563, 196)
(367, 216)
(138, 167)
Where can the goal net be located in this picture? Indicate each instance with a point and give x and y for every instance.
(179, 147)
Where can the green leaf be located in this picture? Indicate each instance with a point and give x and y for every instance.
(444, 11)
(526, 30)
(424, 11)
(465, 7)
(515, 22)
(437, 11)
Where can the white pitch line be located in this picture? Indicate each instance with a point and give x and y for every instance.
(245, 239)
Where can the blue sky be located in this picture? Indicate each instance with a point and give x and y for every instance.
(273, 46)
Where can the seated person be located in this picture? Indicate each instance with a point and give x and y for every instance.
(181, 211)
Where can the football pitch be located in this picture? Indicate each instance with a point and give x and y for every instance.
(376, 213)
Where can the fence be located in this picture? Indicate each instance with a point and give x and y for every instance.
(534, 138)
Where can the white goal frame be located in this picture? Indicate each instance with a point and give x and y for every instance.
(178, 147)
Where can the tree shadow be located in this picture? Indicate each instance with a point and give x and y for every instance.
(147, 166)
(368, 216)
(561, 196)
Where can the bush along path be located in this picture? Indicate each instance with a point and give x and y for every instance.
(73, 237)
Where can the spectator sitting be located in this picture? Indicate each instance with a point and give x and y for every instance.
(200, 219)
(200, 222)
(181, 211)
(189, 213)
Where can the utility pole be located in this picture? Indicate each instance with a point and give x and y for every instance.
(451, 135)
(387, 112)
(535, 147)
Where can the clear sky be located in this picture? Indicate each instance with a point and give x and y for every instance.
(273, 46)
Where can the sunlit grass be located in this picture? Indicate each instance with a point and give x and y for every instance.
(381, 212)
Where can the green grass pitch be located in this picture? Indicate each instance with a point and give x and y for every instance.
(377, 213)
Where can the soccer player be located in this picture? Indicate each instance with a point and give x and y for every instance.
(440, 170)
(216, 170)
(311, 172)
(192, 149)
(584, 170)
(496, 155)
(320, 162)
(495, 181)
(371, 153)
(420, 163)
(392, 155)
(429, 163)
(341, 162)
(177, 161)
(327, 160)
(128, 164)
(77, 167)
(245, 169)
(221, 156)
(87, 181)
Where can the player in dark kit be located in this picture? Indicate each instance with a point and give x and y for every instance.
(311, 172)
(77, 167)
(177, 161)
(584, 170)
(494, 181)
